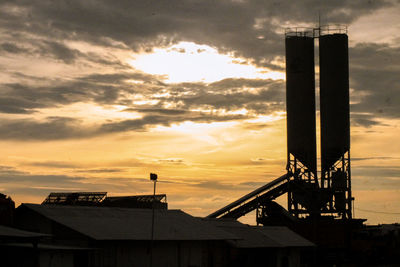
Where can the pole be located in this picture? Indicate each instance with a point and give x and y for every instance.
(152, 225)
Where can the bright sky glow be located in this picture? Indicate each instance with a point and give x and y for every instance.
(386, 23)
(190, 62)
(90, 112)
(90, 105)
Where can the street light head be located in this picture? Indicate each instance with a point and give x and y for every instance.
(153, 177)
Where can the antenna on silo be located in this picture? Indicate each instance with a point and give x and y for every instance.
(319, 19)
(319, 23)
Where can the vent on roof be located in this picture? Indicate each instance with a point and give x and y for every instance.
(75, 198)
(102, 200)
(141, 201)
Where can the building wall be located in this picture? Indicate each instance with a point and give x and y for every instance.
(165, 254)
(31, 221)
(56, 258)
(288, 257)
(266, 257)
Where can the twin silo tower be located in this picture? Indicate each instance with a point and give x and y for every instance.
(311, 192)
(327, 191)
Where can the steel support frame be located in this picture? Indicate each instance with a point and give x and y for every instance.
(342, 164)
(299, 173)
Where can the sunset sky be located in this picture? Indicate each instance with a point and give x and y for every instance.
(95, 95)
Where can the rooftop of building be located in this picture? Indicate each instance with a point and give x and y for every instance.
(113, 223)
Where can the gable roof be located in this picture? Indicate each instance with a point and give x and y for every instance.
(261, 236)
(104, 223)
(6, 231)
(284, 236)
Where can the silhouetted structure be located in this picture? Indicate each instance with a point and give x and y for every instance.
(110, 236)
(140, 201)
(267, 246)
(75, 198)
(301, 131)
(19, 248)
(308, 196)
(101, 199)
(7, 207)
(319, 208)
(335, 122)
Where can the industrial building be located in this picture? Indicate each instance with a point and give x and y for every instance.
(76, 229)
(319, 196)
(84, 229)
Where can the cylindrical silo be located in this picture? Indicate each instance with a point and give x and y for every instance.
(334, 98)
(300, 100)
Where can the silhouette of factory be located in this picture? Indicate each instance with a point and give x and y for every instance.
(317, 228)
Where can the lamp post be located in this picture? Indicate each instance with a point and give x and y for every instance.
(153, 177)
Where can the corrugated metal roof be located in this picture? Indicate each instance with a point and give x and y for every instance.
(284, 236)
(13, 232)
(45, 246)
(103, 223)
(261, 236)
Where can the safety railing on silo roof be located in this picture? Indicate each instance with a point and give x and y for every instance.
(333, 29)
(316, 32)
(299, 32)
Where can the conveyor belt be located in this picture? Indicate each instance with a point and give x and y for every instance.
(252, 200)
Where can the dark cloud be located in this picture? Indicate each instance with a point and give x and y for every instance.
(13, 176)
(60, 51)
(267, 161)
(373, 158)
(364, 120)
(52, 164)
(230, 94)
(158, 111)
(172, 161)
(229, 25)
(11, 48)
(255, 126)
(378, 172)
(374, 71)
(50, 49)
(14, 105)
(101, 170)
(25, 97)
(375, 177)
(151, 120)
(249, 29)
(58, 128)
(8, 170)
(54, 128)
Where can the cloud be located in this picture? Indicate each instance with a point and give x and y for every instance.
(26, 97)
(374, 72)
(378, 172)
(52, 164)
(11, 48)
(375, 177)
(15, 105)
(249, 29)
(14, 181)
(261, 96)
(60, 51)
(229, 25)
(158, 111)
(373, 158)
(54, 128)
(152, 120)
(59, 128)
(101, 170)
(365, 120)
